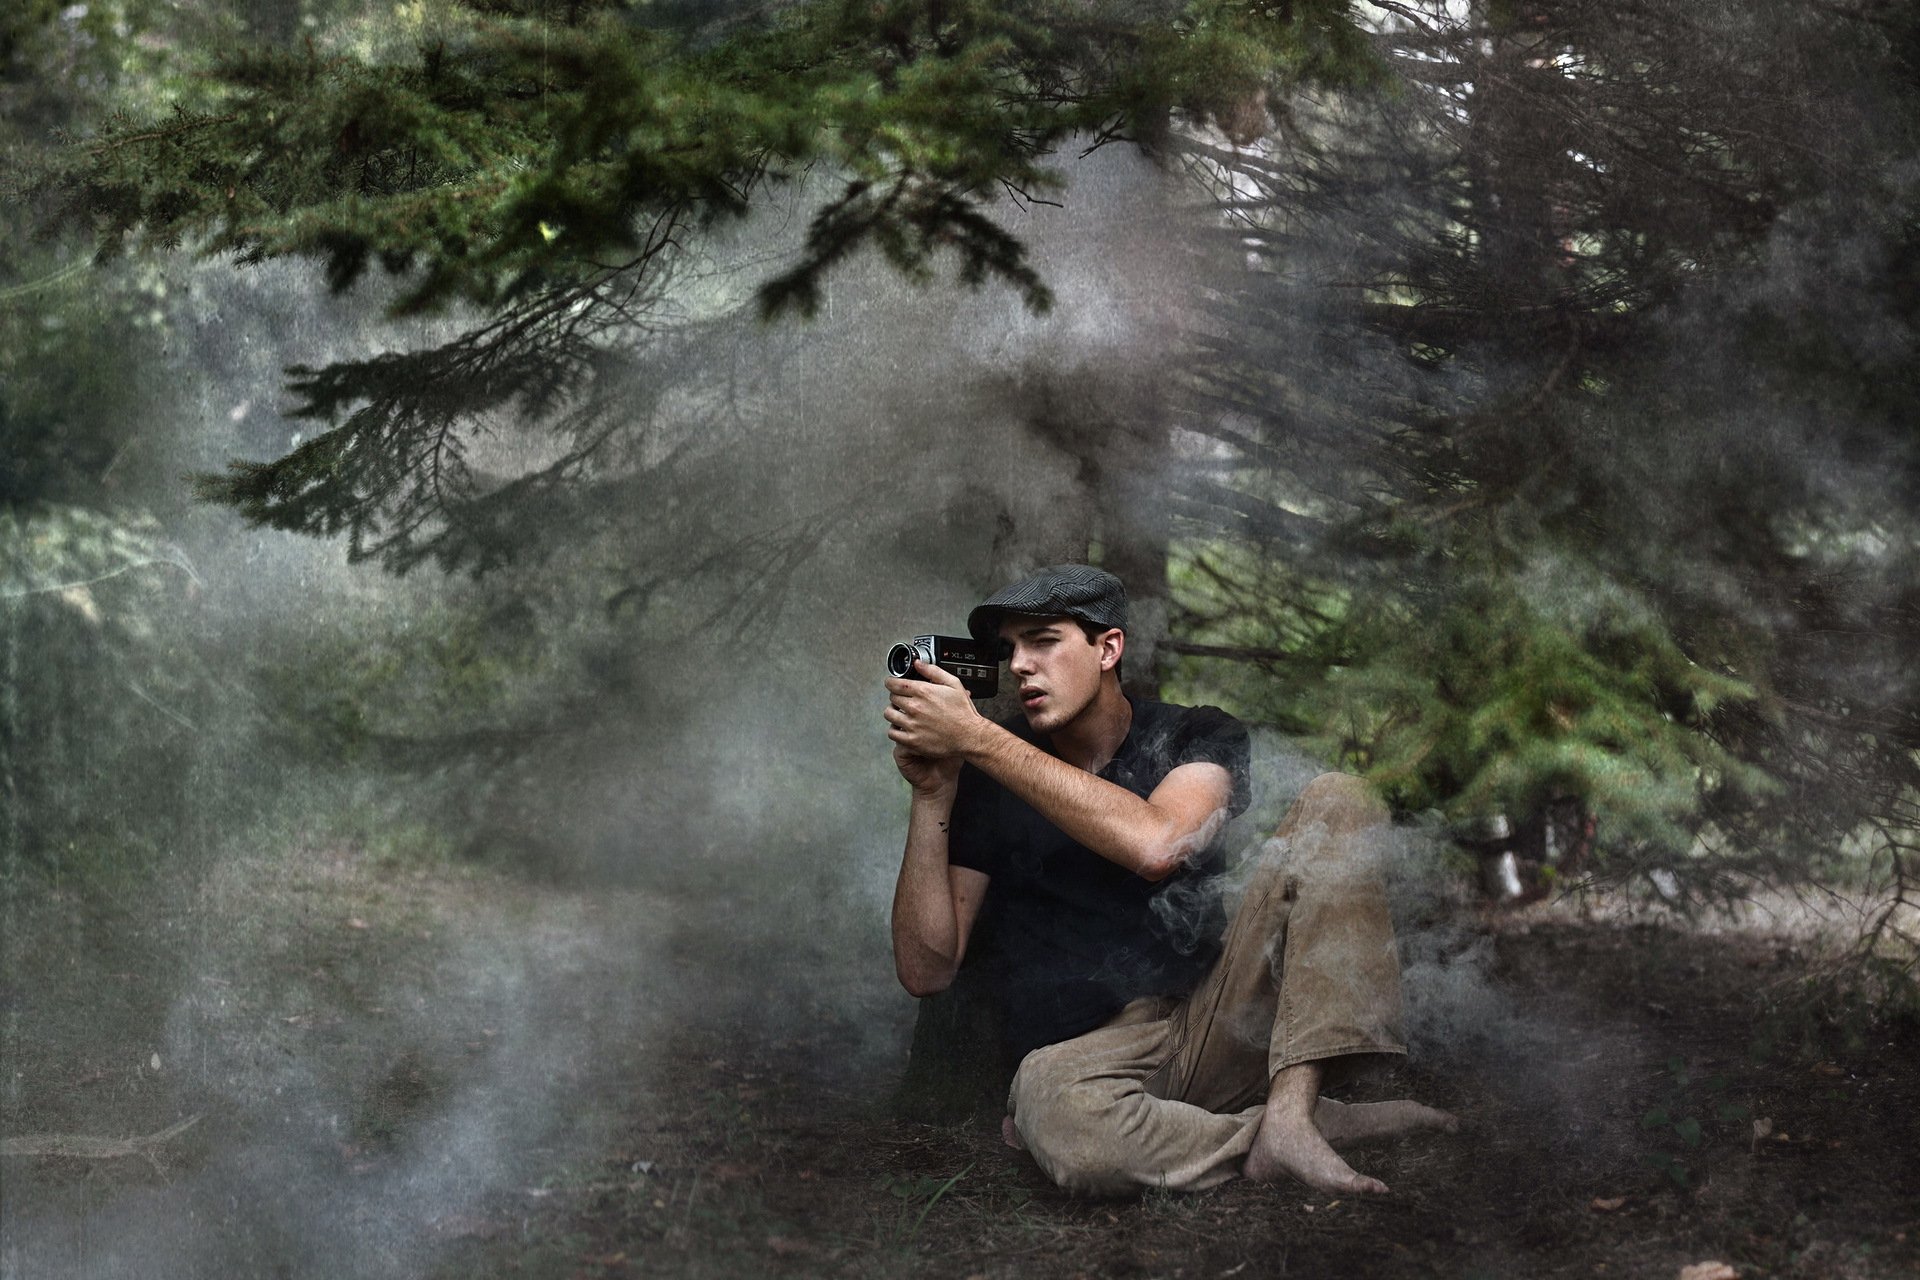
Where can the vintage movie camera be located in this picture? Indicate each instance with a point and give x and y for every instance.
(975, 665)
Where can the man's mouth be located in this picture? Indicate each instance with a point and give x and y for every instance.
(1031, 697)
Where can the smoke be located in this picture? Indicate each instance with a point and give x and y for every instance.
(385, 1048)
(1454, 1009)
(357, 1112)
(653, 756)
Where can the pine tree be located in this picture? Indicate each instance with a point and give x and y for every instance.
(547, 166)
(1564, 436)
(97, 697)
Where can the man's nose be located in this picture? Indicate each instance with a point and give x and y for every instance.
(1020, 661)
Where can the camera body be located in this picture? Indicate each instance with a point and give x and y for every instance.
(975, 665)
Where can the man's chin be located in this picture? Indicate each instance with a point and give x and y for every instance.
(1045, 718)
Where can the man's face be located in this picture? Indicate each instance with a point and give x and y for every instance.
(1057, 668)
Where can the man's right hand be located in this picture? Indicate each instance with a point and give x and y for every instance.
(928, 775)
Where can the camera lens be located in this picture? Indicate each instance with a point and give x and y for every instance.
(900, 660)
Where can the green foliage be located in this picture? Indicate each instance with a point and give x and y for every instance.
(63, 65)
(64, 551)
(423, 692)
(525, 146)
(75, 346)
(1279, 628)
(77, 384)
(1547, 459)
(99, 729)
(925, 1192)
(1557, 443)
(552, 164)
(1503, 694)
(1688, 1117)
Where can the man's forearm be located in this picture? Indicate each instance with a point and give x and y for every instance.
(926, 930)
(1105, 817)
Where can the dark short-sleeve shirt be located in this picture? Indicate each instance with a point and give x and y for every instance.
(1074, 936)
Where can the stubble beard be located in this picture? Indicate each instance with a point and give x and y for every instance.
(1052, 720)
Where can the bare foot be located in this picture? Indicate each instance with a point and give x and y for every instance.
(1341, 1122)
(1291, 1146)
(1011, 1135)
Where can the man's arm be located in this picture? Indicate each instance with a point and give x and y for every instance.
(1149, 837)
(934, 903)
(933, 719)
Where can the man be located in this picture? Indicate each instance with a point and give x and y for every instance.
(1153, 1055)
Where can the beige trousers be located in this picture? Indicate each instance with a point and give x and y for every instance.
(1170, 1093)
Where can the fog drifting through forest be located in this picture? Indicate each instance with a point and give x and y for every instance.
(726, 843)
(717, 849)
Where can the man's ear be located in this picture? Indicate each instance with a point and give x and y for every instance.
(1112, 643)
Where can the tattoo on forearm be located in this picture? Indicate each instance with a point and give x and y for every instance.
(943, 826)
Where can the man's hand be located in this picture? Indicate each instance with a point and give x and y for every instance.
(935, 903)
(932, 717)
(927, 774)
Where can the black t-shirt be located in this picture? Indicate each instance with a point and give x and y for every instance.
(1074, 936)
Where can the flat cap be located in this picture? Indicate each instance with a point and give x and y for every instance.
(1062, 591)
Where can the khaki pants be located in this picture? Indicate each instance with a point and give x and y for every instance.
(1169, 1093)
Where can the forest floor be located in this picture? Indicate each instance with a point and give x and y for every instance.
(1656, 1105)
(1671, 1132)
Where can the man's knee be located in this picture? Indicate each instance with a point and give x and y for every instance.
(1333, 839)
(1074, 1125)
(1351, 800)
(1049, 1097)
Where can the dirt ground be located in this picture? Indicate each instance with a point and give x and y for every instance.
(1656, 1103)
(1685, 1126)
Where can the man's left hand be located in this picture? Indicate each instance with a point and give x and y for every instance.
(933, 716)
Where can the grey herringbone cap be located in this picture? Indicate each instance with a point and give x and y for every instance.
(1063, 591)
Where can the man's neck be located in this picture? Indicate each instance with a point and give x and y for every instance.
(1091, 738)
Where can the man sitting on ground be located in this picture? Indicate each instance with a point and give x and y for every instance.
(1152, 1052)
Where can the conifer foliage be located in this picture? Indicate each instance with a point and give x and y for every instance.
(544, 165)
(1563, 434)
(1551, 438)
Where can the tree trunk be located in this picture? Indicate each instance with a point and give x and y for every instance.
(1136, 528)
